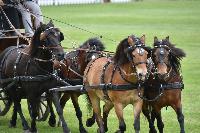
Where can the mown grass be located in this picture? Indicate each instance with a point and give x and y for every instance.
(180, 19)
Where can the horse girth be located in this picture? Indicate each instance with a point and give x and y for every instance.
(111, 86)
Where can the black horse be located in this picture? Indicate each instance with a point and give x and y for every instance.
(26, 72)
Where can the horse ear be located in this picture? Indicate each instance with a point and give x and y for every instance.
(42, 36)
(155, 39)
(61, 36)
(41, 23)
(50, 24)
(88, 45)
(142, 39)
(167, 38)
(130, 41)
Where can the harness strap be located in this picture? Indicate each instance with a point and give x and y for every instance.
(5, 57)
(102, 80)
(37, 78)
(74, 81)
(114, 87)
(120, 71)
(175, 85)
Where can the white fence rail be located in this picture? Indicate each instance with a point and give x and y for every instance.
(62, 2)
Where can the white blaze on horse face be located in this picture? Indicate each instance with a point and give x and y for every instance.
(141, 68)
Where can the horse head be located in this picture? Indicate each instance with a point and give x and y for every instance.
(48, 38)
(166, 57)
(160, 57)
(137, 53)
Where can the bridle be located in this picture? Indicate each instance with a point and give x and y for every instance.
(141, 49)
(161, 58)
(48, 39)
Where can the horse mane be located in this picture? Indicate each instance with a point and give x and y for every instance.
(120, 56)
(35, 42)
(176, 55)
(93, 42)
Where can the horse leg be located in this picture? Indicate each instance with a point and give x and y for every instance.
(24, 122)
(180, 117)
(160, 124)
(14, 117)
(63, 101)
(60, 112)
(106, 109)
(74, 98)
(95, 101)
(90, 121)
(34, 114)
(137, 109)
(52, 118)
(146, 113)
(119, 112)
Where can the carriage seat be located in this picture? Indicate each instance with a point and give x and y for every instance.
(11, 33)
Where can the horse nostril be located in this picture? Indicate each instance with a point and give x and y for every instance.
(140, 75)
(162, 76)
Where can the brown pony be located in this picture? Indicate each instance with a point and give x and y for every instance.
(72, 68)
(165, 82)
(115, 81)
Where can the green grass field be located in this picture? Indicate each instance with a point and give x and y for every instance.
(179, 19)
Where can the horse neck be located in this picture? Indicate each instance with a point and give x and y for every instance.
(46, 55)
(174, 76)
(129, 72)
(82, 64)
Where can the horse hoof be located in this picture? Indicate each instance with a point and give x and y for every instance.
(119, 131)
(82, 130)
(28, 131)
(12, 125)
(52, 122)
(153, 130)
(106, 129)
(90, 122)
(25, 127)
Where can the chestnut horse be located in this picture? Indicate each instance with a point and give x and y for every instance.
(166, 81)
(72, 69)
(115, 81)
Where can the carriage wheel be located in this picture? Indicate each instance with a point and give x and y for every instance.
(5, 103)
(43, 111)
